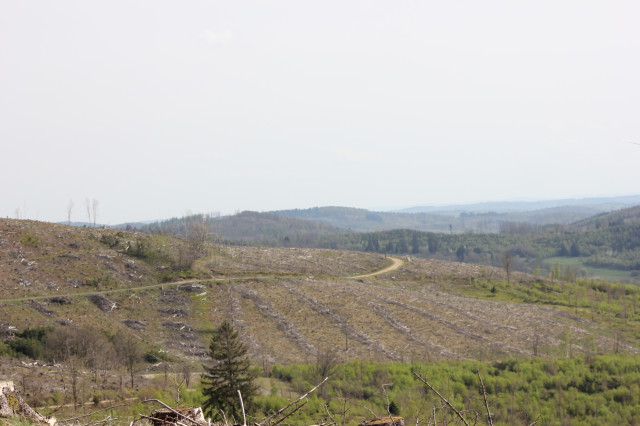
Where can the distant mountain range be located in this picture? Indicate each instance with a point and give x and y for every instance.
(480, 217)
(301, 225)
(601, 204)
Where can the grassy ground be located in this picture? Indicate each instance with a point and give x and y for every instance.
(590, 271)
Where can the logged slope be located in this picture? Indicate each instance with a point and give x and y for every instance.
(43, 258)
(289, 304)
(394, 318)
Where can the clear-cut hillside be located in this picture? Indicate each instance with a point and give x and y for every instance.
(289, 304)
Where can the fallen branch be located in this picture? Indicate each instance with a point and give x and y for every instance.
(222, 416)
(244, 417)
(108, 419)
(291, 413)
(90, 414)
(171, 409)
(369, 410)
(292, 403)
(486, 404)
(326, 408)
(442, 398)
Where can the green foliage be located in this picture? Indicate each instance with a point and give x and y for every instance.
(6, 350)
(393, 408)
(613, 305)
(15, 421)
(30, 239)
(175, 258)
(92, 282)
(110, 239)
(100, 281)
(30, 342)
(603, 391)
(153, 356)
(614, 247)
(229, 373)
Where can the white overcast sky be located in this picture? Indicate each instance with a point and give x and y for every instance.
(155, 108)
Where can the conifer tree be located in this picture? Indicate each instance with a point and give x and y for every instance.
(229, 372)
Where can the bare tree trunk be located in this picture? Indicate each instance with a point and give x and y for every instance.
(69, 209)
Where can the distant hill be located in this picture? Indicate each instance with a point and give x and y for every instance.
(362, 220)
(255, 228)
(608, 240)
(619, 217)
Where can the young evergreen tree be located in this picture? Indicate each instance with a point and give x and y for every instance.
(229, 373)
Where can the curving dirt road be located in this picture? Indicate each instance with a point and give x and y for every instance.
(397, 263)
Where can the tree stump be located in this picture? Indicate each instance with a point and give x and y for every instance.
(12, 405)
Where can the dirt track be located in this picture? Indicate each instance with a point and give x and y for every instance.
(397, 263)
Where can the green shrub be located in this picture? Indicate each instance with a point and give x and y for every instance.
(29, 239)
(110, 240)
(92, 282)
(30, 342)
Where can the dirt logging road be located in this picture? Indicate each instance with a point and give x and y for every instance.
(397, 263)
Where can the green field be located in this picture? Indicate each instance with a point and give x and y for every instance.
(590, 271)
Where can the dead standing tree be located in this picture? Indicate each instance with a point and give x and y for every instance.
(87, 206)
(69, 209)
(507, 263)
(129, 351)
(94, 206)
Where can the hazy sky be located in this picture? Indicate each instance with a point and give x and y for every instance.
(156, 107)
